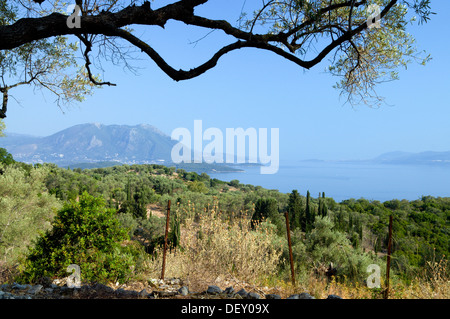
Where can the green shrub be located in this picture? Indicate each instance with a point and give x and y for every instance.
(26, 209)
(85, 233)
(325, 245)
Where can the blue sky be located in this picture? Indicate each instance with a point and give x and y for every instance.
(252, 88)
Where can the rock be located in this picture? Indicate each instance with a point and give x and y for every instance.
(213, 290)
(102, 288)
(126, 293)
(305, 295)
(229, 291)
(273, 296)
(144, 293)
(35, 289)
(293, 297)
(242, 293)
(20, 287)
(76, 292)
(174, 281)
(334, 297)
(163, 294)
(184, 291)
(253, 295)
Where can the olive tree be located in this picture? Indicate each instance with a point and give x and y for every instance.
(366, 40)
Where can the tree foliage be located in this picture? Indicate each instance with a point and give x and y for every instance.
(48, 64)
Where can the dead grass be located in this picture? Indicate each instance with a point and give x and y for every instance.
(227, 253)
(433, 284)
(217, 251)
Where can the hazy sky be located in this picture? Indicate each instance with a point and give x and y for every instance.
(253, 88)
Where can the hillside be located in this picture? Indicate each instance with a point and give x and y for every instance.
(227, 226)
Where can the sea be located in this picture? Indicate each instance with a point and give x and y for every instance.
(346, 180)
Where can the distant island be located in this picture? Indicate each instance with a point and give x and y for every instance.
(400, 158)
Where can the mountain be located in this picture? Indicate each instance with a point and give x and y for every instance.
(90, 143)
(398, 157)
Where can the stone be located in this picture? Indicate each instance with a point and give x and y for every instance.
(126, 293)
(143, 293)
(273, 296)
(184, 291)
(163, 294)
(334, 297)
(229, 291)
(305, 295)
(35, 289)
(174, 281)
(102, 288)
(253, 295)
(20, 287)
(242, 293)
(213, 290)
(293, 297)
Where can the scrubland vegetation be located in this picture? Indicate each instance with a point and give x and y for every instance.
(110, 221)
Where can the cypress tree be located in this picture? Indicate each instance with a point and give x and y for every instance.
(295, 209)
(325, 210)
(320, 209)
(308, 212)
(324, 206)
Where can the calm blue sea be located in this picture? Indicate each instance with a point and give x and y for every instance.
(344, 180)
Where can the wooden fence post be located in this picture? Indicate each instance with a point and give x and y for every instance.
(165, 240)
(388, 264)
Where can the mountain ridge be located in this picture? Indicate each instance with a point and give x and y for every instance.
(93, 142)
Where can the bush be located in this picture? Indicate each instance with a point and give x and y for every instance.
(85, 233)
(325, 245)
(26, 209)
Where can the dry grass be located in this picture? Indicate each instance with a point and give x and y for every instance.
(434, 283)
(228, 253)
(218, 251)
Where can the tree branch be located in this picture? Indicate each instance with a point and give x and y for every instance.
(110, 24)
(88, 49)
